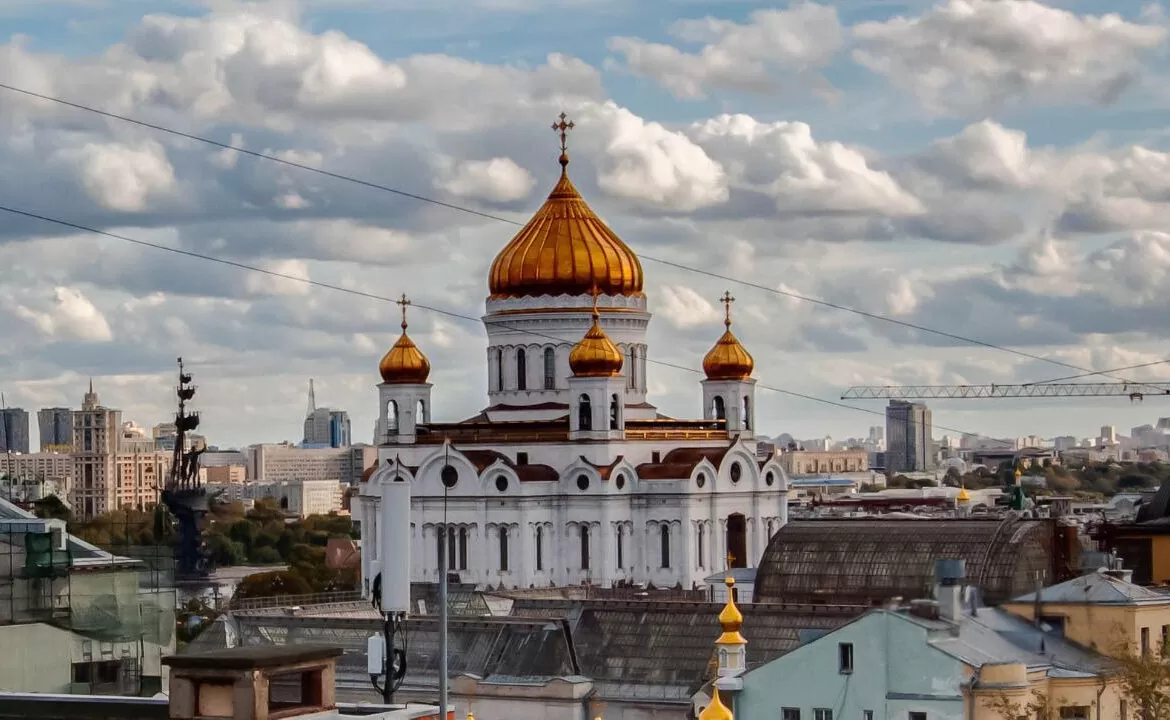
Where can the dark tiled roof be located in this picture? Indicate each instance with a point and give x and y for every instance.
(483, 459)
(681, 462)
(604, 470)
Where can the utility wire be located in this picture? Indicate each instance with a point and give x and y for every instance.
(413, 304)
(498, 218)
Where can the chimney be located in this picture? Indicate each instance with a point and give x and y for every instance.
(951, 576)
(262, 682)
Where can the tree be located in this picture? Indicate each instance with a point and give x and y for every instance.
(269, 584)
(1144, 679)
(1034, 706)
(953, 477)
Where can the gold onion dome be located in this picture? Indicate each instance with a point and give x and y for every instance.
(728, 360)
(963, 496)
(565, 249)
(595, 355)
(731, 619)
(715, 709)
(404, 363)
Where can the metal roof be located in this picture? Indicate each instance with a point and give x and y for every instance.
(1096, 588)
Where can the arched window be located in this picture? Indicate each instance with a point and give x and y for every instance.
(539, 547)
(664, 539)
(620, 548)
(550, 369)
(462, 548)
(422, 412)
(584, 547)
(699, 536)
(584, 413)
(747, 413)
(521, 369)
(440, 543)
(630, 372)
(614, 410)
(720, 410)
(391, 415)
(503, 549)
(451, 556)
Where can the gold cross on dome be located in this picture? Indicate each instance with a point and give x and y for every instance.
(727, 299)
(403, 302)
(562, 128)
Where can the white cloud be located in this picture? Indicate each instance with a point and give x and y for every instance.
(70, 316)
(120, 177)
(975, 56)
(294, 272)
(497, 180)
(685, 308)
(748, 57)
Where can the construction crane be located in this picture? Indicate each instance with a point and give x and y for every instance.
(1134, 391)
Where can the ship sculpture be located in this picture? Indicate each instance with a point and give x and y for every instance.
(184, 496)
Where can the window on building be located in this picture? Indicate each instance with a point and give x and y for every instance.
(867, 715)
(699, 542)
(822, 714)
(451, 556)
(539, 548)
(620, 546)
(521, 458)
(584, 413)
(1145, 635)
(521, 369)
(664, 543)
(1165, 638)
(789, 713)
(499, 369)
(1074, 712)
(747, 413)
(655, 457)
(439, 547)
(845, 658)
(719, 408)
(503, 549)
(916, 715)
(550, 369)
(1123, 711)
(584, 547)
(614, 410)
(462, 548)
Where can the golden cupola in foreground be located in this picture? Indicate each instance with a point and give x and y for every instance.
(715, 709)
(404, 363)
(728, 360)
(595, 355)
(565, 249)
(731, 619)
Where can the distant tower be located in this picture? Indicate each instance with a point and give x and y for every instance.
(729, 391)
(732, 645)
(312, 400)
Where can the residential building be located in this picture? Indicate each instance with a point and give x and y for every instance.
(14, 430)
(96, 436)
(909, 440)
(942, 658)
(40, 474)
(298, 497)
(56, 429)
(569, 474)
(77, 619)
(284, 463)
(808, 462)
(225, 474)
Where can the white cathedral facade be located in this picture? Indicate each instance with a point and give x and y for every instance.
(569, 476)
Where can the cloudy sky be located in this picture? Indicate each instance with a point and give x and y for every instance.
(994, 169)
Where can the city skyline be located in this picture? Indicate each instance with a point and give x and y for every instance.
(840, 169)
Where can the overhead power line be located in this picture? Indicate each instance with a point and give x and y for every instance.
(422, 306)
(498, 218)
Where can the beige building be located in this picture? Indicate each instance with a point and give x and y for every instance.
(815, 462)
(54, 468)
(286, 463)
(225, 474)
(300, 497)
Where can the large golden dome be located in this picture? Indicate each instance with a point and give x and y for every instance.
(565, 249)
(595, 355)
(728, 360)
(404, 363)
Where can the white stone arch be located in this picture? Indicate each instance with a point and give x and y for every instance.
(780, 483)
(707, 468)
(499, 469)
(387, 472)
(627, 468)
(429, 474)
(750, 470)
(577, 467)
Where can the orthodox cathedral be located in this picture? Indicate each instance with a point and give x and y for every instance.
(569, 476)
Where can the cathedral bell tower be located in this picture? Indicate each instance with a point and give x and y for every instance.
(404, 396)
(729, 391)
(596, 388)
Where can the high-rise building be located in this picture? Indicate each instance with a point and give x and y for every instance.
(13, 430)
(327, 428)
(96, 434)
(909, 444)
(56, 426)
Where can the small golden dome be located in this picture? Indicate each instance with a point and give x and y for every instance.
(731, 619)
(595, 355)
(404, 363)
(963, 496)
(715, 709)
(565, 249)
(728, 360)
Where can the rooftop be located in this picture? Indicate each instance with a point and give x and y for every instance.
(1096, 588)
